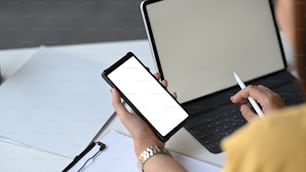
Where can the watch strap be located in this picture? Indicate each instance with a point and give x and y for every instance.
(149, 152)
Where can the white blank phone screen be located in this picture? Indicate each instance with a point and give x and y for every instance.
(148, 96)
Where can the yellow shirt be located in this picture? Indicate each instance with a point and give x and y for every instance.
(276, 143)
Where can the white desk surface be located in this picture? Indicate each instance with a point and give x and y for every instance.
(182, 141)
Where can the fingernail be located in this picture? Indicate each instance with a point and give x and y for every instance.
(242, 107)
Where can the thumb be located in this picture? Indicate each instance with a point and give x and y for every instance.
(247, 113)
(119, 107)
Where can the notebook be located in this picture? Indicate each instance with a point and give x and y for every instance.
(56, 103)
(198, 44)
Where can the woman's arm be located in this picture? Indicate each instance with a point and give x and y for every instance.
(144, 137)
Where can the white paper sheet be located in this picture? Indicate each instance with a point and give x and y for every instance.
(119, 156)
(56, 102)
(19, 159)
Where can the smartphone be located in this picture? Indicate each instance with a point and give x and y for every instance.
(146, 96)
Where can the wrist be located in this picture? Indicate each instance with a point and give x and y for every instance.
(142, 145)
(150, 152)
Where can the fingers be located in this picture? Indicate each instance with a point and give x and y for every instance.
(164, 83)
(267, 99)
(174, 95)
(264, 88)
(263, 95)
(258, 93)
(157, 76)
(247, 113)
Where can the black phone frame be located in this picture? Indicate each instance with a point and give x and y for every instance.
(133, 107)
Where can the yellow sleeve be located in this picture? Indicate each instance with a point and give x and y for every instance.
(276, 143)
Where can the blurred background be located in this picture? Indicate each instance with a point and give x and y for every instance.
(30, 23)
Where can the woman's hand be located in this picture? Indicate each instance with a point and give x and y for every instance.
(141, 133)
(267, 99)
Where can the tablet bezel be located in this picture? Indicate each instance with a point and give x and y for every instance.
(157, 61)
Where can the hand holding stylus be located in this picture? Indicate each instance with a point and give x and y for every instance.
(251, 100)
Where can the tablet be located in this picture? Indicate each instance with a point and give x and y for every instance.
(198, 44)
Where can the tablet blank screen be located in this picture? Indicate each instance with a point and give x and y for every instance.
(200, 43)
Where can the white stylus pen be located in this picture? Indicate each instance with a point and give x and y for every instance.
(251, 100)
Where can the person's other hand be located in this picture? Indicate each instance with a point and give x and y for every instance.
(267, 99)
(141, 133)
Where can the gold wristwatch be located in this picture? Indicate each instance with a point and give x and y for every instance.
(148, 153)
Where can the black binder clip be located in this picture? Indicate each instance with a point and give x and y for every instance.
(83, 153)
